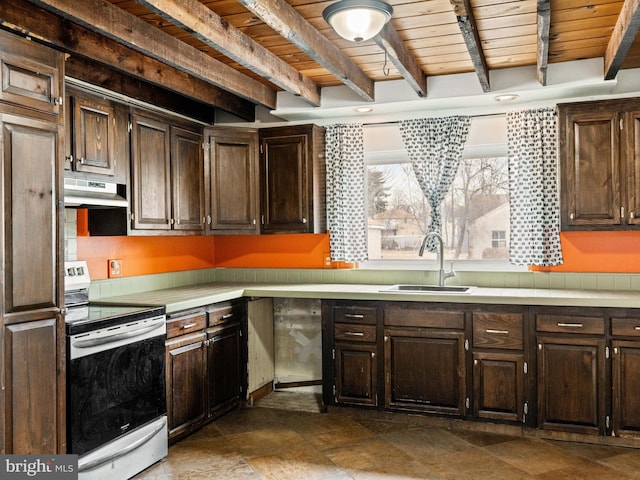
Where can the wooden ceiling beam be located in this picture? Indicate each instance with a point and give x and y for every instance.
(284, 19)
(622, 37)
(115, 23)
(206, 25)
(544, 24)
(23, 18)
(389, 41)
(469, 30)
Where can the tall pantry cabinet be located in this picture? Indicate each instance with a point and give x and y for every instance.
(32, 327)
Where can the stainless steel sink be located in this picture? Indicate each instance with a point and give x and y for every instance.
(428, 289)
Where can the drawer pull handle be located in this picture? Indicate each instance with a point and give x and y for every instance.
(227, 316)
(499, 332)
(570, 325)
(188, 325)
(354, 315)
(636, 328)
(354, 334)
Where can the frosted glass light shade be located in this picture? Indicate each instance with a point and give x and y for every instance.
(357, 20)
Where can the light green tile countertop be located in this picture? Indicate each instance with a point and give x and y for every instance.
(181, 298)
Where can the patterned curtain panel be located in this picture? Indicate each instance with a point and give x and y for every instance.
(532, 143)
(434, 146)
(346, 217)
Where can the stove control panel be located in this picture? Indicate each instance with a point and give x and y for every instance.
(76, 275)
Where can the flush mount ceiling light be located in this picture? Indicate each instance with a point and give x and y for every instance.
(363, 109)
(357, 20)
(507, 97)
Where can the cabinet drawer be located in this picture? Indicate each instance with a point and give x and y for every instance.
(366, 315)
(570, 324)
(186, 322)
(427, 318)
(625, 327)
(222, 313)
(355, 332)
(498, 330)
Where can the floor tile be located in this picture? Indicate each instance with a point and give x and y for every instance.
(281, 443)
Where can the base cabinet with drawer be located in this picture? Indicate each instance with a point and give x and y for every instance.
(351, 365)
(205, 367)
(424, 359)
(625, 348)
(572, 374)
(500, 366)
(566, 371)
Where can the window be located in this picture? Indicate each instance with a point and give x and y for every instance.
(498, 239)
(475, 213)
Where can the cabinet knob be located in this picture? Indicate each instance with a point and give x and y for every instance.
(304, 220)
(632, 215)
(572, 216)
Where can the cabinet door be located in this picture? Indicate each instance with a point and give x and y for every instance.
(188, 183)
(571, 384)
(425, 370)
(223, 363)
(93, 131)
(232, 175)
(284, 176)
(30, 388)
(356, 373)
(30, 74)
(632, 154)
(498, 386)
(591, 168)
(151, 172)
(30, 213)
(186, 387)
(626, 387)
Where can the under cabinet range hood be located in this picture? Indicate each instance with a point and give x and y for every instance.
(80, 193)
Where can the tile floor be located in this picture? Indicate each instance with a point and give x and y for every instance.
(285, 437)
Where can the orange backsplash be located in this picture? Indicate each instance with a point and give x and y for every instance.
(605, 252)
(159, 254)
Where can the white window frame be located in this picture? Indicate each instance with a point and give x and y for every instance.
(400, 156)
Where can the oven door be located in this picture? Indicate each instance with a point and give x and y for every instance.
(115, 383)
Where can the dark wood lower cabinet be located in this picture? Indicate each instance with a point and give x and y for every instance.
(31, 393)
(425, 370)
(356, 373)
(186, 383)
(571, 384)
(626, 387)
(223, 364)
(498, 386)
(206, 356)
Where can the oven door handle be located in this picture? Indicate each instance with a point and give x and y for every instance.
(122, 452)
(92, 342)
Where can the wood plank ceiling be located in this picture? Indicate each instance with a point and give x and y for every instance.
(286, 44)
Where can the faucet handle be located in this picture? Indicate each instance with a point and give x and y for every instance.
(451, 272)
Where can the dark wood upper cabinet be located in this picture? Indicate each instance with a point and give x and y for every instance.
(293, 179)
(93, 139)
(30, 75)
(167, 177)
(32, 398)
(231, 176)
(30, 208)
(599, 159)
(187, 179)
(151, 173)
